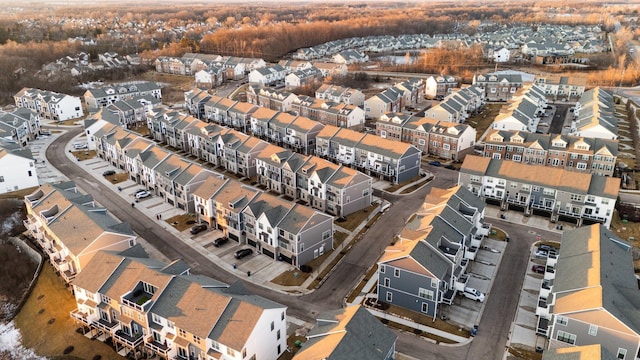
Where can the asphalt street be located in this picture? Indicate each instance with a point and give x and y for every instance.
(501, 303)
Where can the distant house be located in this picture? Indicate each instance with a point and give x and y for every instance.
(437, 87)
(498, 87)
(562, 86)
(103, 96)
(501, 55)
(350, 57)
(338, 333)
(340, 94)
(49, 105)
(20, 125)
(303, 77)
(390, 100)
(269, 75)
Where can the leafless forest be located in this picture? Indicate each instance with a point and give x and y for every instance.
(34, 35)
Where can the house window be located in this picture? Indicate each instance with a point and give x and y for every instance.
(278, 335)
(282, 316)
(149, 289)
(396, 273)
(1, 178)
(387, 282)
(421, 142)
(326, 235)
(561, 320)
(425, 294)
(389, 296)
(382, 269)
(622, 353)
(593, 330)
(566, 337)
(272, 325)
(196, 339)
(182, 333)
(424, 308)
(156, 319)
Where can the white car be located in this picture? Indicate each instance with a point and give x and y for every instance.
(541, 254)
(80, 146)
(143, 194)
(473, 294)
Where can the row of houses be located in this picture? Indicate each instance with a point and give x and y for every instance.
(426, 265)
(594, 115)
(20, 125)
(458, 105)
(96, 98)
(523, 111)
(291, 232)
(558, 193)
(592, 155)
(49, 105)
(371, 154)
(443, 139)
(539, 40)
(589, 300)
(395, 98)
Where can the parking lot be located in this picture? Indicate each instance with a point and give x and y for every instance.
(481, 272)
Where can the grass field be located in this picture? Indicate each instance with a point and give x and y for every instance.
(47, 328)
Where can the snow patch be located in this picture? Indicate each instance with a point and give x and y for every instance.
(10, 343)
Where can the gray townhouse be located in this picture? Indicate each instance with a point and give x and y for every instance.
(239, 151)
(165, 173)
(130, 154)
(170, 127)
(269, 98)
(340, 94)
(20, 125)
(593, 155)
(194, 101)
(268, 75)
(594, 295)
(337, 332)
(389, 160)
(203, 198)
(260, 122)
(301, 135)
(390, 100)
(498, 87)
(240, 116)
(228, 204)
(329, 112)
(219, 112)
(269, 164)
(277, 127)
(146, 161)
(186, 182)
(305, 234)
(560, 194)
(338, 144)
(426, 266)
(132, 112)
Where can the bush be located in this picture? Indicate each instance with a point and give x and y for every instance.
(306, 269)
(68, 350)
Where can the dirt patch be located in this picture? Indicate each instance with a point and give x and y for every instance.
(84, 154)
(182, 222)
(352, 221)
(51, 300)
(117, 178)
(292, 277)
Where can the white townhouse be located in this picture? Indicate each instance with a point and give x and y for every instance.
(105, 95)
(269, 75)
(594, 115)
(49, 105)
(17, 169)
(20, 125)
(160, 310)
(341, 94)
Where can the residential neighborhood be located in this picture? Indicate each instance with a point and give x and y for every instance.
(365, 187)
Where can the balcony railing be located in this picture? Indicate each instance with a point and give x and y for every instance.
(108, 326)
(158, 348)
(131, 341)
(80, 316)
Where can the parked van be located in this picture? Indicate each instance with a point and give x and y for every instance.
(385, 206)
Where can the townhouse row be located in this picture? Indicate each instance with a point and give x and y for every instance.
(557, 193)
(592, 155)
(19, 125)
(71, 228)
(426, 265)
(49, 105)
(395, 98)
(589, 301)
(152, 309)
(323, 185)
(324, 111)
(594, 115)
(277, 227)
(99, 97)
(443, 139)
(381, 158)
(523, 111)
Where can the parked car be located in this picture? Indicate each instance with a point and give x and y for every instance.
(547, 248)
(139, 191)
(242, 253)
(450, 167)
(538, 269)
(541, 254)
(220, 241)
(195, 229)
(143, 194)
(109, 172)
(473, 294)
(434, 163)
(80, 146)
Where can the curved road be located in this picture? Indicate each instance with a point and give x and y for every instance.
(499, 310)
